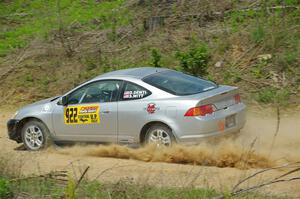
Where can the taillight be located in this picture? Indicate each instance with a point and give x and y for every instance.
(200, 110)
(237, 98)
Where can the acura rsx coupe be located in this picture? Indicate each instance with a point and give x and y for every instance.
(132, 106)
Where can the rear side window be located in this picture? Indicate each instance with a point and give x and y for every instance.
(178, 83)
(133, 91)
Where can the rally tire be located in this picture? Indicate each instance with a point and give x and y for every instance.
(35, 135)
(160, 135)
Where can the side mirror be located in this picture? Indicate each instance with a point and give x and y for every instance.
(63, 101)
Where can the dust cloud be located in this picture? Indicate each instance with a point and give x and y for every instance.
(256, 147)
(224, 154)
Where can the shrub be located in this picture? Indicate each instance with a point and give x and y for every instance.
(155, 58)
(195, 60)
(266, 95)
(272, 95)
(5, 191)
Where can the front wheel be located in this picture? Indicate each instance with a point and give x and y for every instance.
(160, 135)
(35, 135)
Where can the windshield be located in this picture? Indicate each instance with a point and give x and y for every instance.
(178, 83)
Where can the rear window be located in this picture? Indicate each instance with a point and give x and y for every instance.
(133, 91)
(178, 83)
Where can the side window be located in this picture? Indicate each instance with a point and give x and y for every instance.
(75, 97)
(133, 91)
(101, 91)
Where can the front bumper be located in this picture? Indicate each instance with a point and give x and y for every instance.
(12, 130)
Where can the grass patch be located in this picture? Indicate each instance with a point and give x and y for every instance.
(42, 188)
(24, 20)
(271, 95)
(5, 190)
(13, 184)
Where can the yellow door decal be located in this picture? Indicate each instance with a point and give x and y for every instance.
(85, 114)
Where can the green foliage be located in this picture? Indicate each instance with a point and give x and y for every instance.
(92, 190)
(236, 19)
(195, 60)
(287, 60)
(266, 95)
(259, 69)
(37, 18)
(29, 78)
(5, 191)
(272, 95)
(155, 58)
(289, 2)
(290, 57)
(296, 71)
(223, 44)
(253, 31)
(90, 62)
(38, 188)
(106, 68)
(70, 189)
(231, 76)
(112, 35)
(124, 189)
(258, 34)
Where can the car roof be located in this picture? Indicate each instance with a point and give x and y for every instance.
(138, 73)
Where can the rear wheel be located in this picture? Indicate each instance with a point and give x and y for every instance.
(35, 135)
(159, 135)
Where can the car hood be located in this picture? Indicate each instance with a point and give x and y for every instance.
(41, 102)
(36, 108)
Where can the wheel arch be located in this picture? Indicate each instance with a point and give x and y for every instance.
(23, 121)
(148, 125)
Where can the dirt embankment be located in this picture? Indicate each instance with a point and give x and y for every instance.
(257, 147)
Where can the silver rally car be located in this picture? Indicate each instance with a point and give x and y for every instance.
(132, 106)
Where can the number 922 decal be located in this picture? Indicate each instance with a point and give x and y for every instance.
(88, 114)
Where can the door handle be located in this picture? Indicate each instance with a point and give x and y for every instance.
(105, 112)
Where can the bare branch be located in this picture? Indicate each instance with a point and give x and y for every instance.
(262, 171)
(81, 177)
(277, 179)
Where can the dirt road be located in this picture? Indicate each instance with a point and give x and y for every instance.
(259, 132)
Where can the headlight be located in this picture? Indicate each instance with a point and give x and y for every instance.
(16, 113)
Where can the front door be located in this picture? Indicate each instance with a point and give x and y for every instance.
(91, 113)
